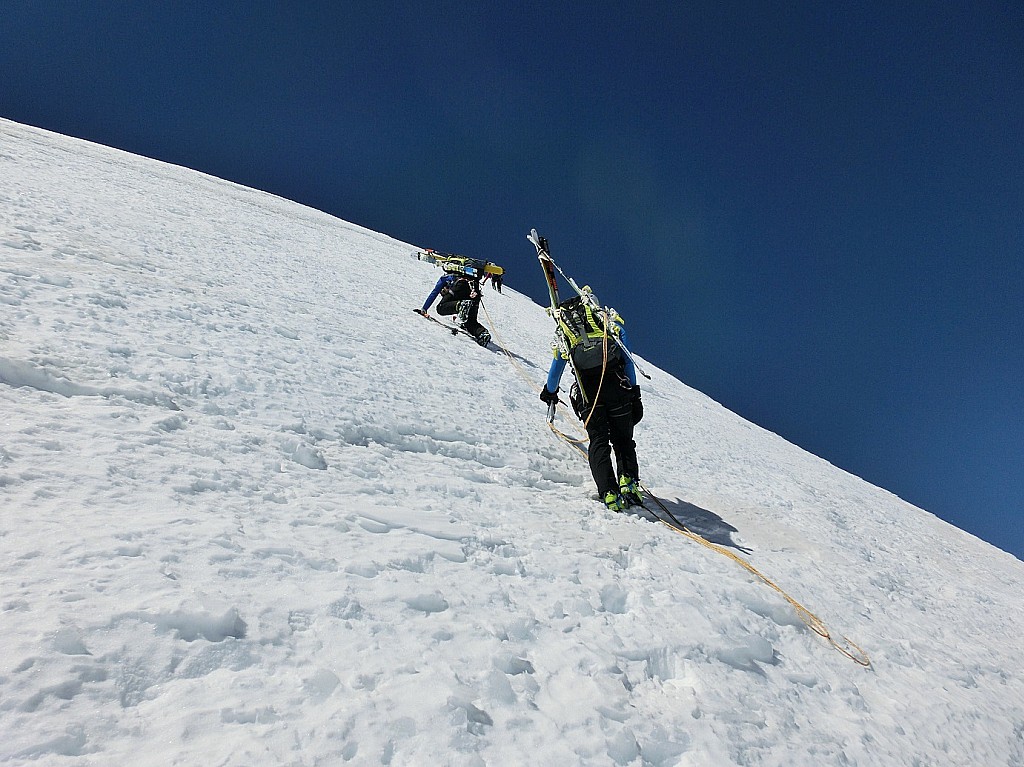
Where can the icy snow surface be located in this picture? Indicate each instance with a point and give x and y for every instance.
(257, 512)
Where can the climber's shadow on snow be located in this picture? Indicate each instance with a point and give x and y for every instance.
(704, 523)
(497, 349)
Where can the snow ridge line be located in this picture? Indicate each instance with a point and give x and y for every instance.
(17, 374)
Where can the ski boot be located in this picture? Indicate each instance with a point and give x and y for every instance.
(630, 491)
(483, 338)
(614, 501)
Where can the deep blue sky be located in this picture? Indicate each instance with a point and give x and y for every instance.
(812, 212)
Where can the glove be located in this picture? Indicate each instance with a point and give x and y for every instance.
(638, 406)
(548, 397)
(421, 312)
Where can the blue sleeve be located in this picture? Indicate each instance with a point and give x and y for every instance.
(436, 291)
(630, 367)
(555, 373)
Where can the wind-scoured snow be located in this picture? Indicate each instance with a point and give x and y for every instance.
(257, 512)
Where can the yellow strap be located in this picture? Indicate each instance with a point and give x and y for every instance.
(600, 382)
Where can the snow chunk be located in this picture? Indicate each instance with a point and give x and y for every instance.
(193, 626)
(428, 603)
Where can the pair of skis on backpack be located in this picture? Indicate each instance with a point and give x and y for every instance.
(583, 294)
(483, 337)
(474, 268)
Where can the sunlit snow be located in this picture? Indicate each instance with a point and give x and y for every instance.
(257, 512)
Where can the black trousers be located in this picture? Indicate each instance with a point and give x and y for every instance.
(449, 304)
(610, 428)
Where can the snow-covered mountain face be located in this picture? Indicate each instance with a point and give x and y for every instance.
(256, 511)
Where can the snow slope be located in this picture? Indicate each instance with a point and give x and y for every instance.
(257, 512)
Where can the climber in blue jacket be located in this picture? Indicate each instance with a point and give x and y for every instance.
(460, 296)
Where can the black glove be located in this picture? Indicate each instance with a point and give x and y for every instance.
(548, 397)
(638, 406)
(421, 312)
